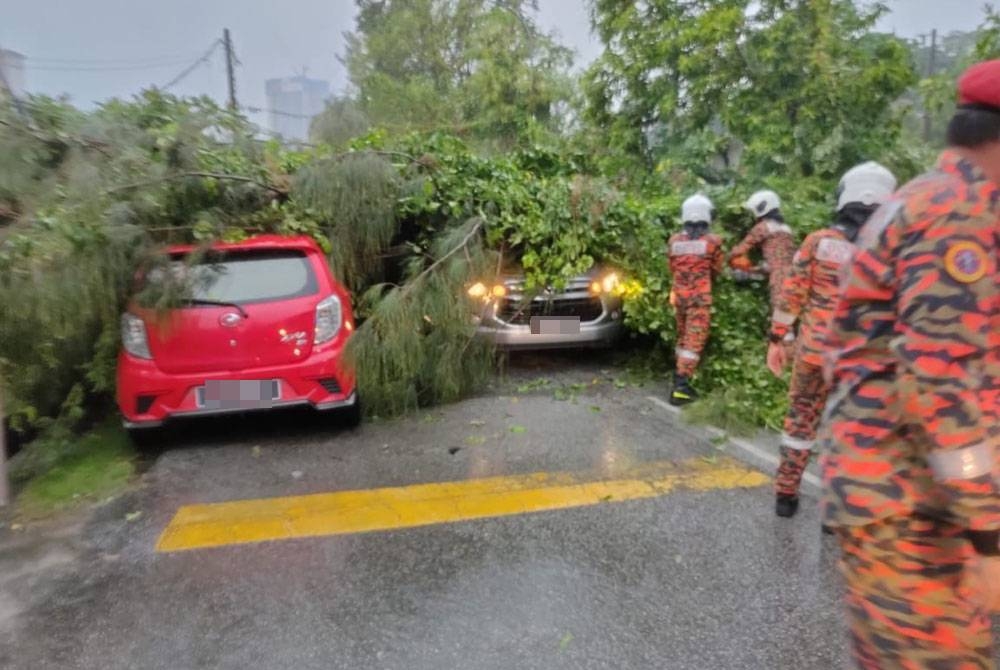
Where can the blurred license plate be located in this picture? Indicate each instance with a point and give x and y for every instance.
(555, 325)
(242, 394)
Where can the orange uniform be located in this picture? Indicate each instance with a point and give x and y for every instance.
(694, 263)
(777, 245)
(912, 435)
(810, 291)
(808, 296)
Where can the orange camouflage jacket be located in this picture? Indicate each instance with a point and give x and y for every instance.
(694, 263)
(912, 419)
(810, 291)
(776, 242)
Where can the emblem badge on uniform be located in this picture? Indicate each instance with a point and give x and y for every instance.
(966, 262)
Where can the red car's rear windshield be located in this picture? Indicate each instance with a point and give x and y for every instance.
(246, 276)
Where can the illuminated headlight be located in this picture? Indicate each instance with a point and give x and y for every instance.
(134, 339)
(610, 282)
(328, 319)
(486, 293)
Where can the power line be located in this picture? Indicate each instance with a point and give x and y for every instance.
(191, 68)
(112, 61)
(103, 68)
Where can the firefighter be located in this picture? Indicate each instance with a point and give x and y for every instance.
(696, 257)
(772, 235)
(808, 297)
(911, 475)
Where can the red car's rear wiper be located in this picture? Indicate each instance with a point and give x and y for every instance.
(220, 303)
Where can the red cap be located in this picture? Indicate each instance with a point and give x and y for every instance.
(980, 85)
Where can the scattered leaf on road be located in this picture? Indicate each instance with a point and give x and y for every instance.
(606, 498)
(296, 474)
(563, 643)
(620, 384)
(678, 558)
(255, 451)
(132, 516)
(595, 408)
(710, 459)
(533, 385)
(477, 422)
(518, 429)
(16, 526)
(475, 440)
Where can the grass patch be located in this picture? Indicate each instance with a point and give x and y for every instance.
(98, 465)
(731, 410)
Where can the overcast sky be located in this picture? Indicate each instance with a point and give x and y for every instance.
(96, 49)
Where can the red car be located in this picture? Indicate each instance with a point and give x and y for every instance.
(264, 327)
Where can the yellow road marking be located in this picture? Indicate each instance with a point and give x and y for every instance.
(246, 521)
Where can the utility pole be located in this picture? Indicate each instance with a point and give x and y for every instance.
(230, 66)
(931, 71)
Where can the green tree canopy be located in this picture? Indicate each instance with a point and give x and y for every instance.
(800, 87)
(479, 67)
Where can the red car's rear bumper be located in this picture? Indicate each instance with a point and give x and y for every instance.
(147, 396)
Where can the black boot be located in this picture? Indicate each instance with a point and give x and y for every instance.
(682, 393)
(786, 506)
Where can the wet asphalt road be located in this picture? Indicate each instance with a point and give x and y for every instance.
(687, 580)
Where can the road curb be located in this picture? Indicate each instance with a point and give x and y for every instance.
(747, 451)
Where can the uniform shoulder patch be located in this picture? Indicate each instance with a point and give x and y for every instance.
(833, 250)
(966, 262)
(775, 228)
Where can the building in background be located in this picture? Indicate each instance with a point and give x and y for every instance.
(292, 102)
(12, 69)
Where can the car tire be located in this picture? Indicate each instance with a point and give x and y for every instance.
(352, 416)
(145, 439)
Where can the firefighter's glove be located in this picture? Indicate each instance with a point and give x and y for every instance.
(982, 582)
(777, 358)
(741, 263)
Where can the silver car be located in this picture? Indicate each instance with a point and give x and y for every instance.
(587, 313)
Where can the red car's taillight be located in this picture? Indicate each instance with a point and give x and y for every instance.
(329, 318)
(134, 339)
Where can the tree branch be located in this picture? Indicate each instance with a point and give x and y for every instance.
(461, 245)
(207, 175)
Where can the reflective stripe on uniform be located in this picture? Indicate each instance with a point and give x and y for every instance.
(783, 318)
(689, 248)
(967, 463)
(796, 443)
(687, 353)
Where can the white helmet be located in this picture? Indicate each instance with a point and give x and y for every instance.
(868, 183)
(697, 209)
(763, 203)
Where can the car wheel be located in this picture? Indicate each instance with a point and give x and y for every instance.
(352, 415)
(144, 439)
